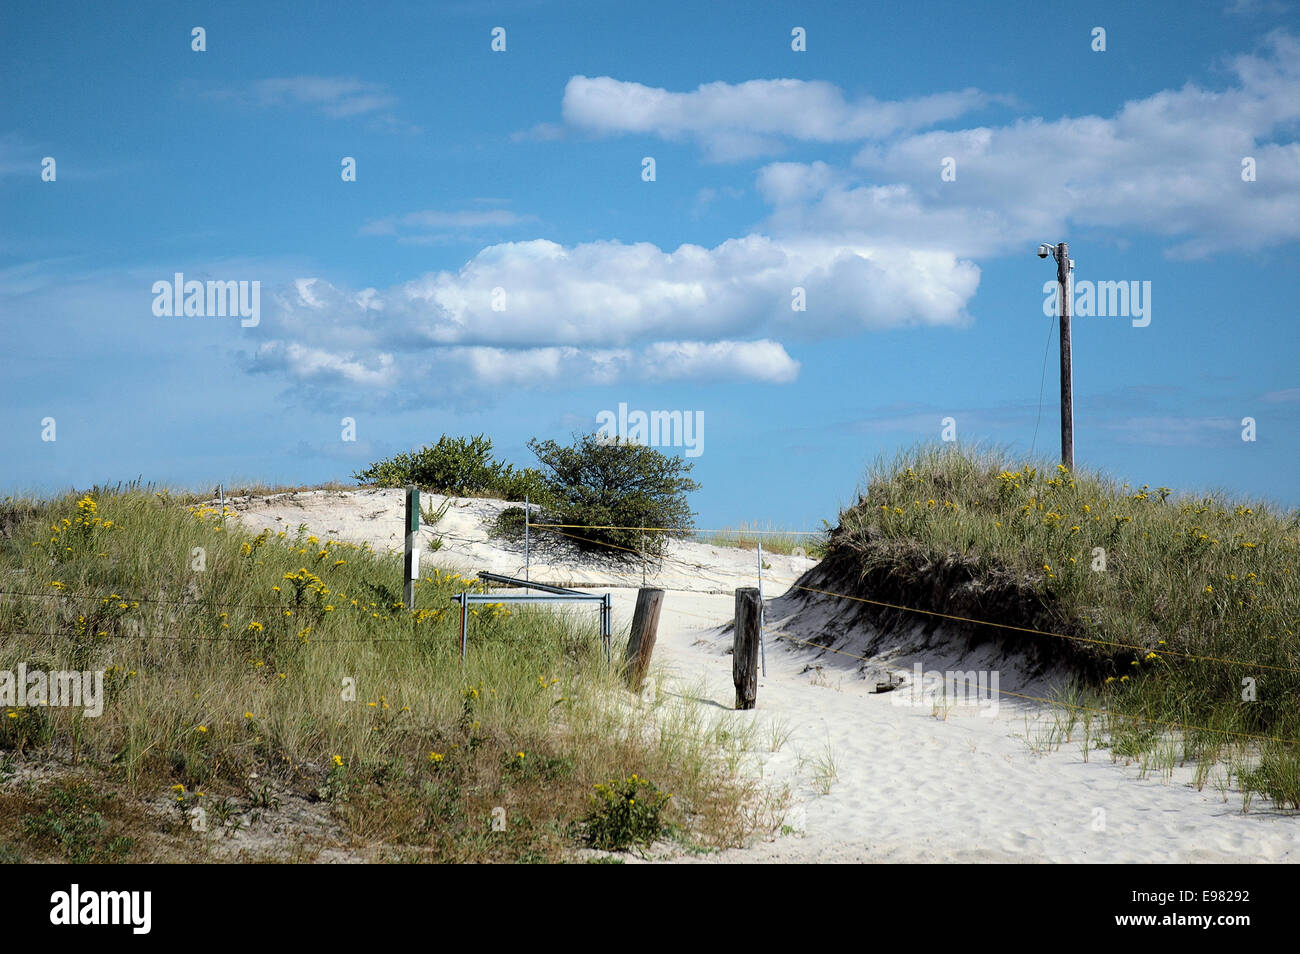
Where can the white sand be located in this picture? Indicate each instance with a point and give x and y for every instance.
(910, 784)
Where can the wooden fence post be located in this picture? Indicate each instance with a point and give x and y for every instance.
(641, 643)
(744, 659)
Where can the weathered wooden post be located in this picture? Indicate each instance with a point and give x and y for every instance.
(744, 659)
(641, 643)
(411, 564)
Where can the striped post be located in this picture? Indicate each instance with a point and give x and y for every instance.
(411, 565)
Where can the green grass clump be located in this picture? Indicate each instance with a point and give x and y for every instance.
(290, 659)
(1185, 607)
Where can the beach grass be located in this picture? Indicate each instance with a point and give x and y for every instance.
(1181, 609)
(239, 666)
(774, 538)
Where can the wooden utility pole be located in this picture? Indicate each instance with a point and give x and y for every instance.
(744, 658)
(1067, 370)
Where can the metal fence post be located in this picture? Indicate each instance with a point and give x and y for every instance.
(607, 618)
(464, 624)
(762, 612)
(411, 563)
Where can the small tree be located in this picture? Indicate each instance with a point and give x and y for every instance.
(461, 466)
(597, 483)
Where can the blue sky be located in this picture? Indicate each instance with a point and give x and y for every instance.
(522, 170)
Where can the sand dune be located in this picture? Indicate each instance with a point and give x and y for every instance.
(912, 782)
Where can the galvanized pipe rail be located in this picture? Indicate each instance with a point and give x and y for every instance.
(548, 594)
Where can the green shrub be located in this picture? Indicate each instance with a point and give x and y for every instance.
(597, 484)
(525, 484)
(625, 813)
(509, 524)
(458, 466)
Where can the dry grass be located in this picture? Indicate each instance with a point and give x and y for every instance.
(1159, 589)
(290, 661)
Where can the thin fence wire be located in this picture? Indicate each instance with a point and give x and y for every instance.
(696, 567)
(791, 583)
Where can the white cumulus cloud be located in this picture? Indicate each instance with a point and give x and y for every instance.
(538, 312)
(1169, 164)
(741, 120)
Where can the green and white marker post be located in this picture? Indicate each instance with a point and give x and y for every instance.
(411, 565)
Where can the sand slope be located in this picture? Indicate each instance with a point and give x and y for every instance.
(912, 783)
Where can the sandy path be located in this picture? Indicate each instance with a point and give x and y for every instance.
(914, 787)
(910, 786)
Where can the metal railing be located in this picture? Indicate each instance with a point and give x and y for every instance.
(546, 594)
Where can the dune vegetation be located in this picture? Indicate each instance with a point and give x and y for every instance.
(245, 673)
(1179, 612)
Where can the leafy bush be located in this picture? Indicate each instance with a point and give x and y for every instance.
(509, 524)
(625, 813)
(458, 466)
(524, 484)
(597, 484)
